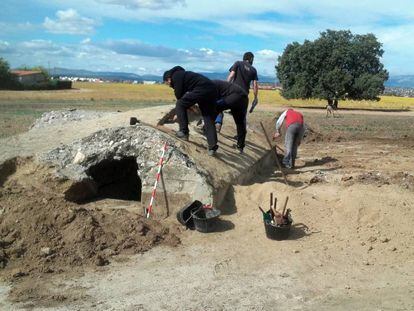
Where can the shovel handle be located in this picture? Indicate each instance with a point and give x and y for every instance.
(284, 206)
(271, 199)
(262, 210)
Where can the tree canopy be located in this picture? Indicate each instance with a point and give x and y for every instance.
(6, 78)
(337, 65)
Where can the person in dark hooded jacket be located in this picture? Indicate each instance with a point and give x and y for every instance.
(233, 97)
(191, 88)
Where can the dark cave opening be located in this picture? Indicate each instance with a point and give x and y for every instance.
(117, 179)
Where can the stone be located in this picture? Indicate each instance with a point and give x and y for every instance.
(316, 179)
(79, 158)
(46, 251)
(372, 239)
(100, 261)
(17, 273)
(66, 116)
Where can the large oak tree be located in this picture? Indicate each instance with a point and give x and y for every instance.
(337, 65)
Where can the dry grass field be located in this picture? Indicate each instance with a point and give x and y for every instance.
(18, 109)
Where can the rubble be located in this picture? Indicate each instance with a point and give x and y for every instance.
(65, 116)
(107, 156)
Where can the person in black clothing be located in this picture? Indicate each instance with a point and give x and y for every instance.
(191, 88)
(242, 73)
(233, 97)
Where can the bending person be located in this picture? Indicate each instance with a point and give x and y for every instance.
(191, 88)
(294, 134)
(236, 99)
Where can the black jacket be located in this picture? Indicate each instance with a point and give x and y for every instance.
(188, 81)
(225, 89)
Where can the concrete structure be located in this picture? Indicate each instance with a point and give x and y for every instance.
(107, 157)
(27, 77)
(122, 162)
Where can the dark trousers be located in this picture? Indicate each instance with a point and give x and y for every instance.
(238, 107)
(206, 100)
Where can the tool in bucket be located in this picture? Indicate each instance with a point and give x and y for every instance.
(148, 211)
(277, 225)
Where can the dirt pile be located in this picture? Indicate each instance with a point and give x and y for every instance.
(402, 179)
(40, 232)
(65, 116)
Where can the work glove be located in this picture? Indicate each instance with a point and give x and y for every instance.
(254, 104)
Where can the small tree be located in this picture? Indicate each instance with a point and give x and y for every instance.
(7, 80)
(337, 65)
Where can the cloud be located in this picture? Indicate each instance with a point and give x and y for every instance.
(13, 28)
(133, 47)
(128, 55)
(145, 4)
(86, 41)
(5, 47)
(167, 54)
(69, 22)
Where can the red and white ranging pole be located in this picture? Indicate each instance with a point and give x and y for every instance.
(154, 190)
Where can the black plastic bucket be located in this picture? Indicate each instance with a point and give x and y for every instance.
(277, 232)
(206, 219)
(184, 215)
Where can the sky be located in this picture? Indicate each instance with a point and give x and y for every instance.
(151, 36)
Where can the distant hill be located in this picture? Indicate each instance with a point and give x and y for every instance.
(404, 81)
(223, 76)
(134, 77)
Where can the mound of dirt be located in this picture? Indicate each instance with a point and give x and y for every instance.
(40, 232)
(401, 179)
(64, 116)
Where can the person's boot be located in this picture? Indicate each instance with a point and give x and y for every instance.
(239, 148)
(212, 151)
(182, 135)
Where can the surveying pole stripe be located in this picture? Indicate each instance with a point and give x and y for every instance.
(154, 190)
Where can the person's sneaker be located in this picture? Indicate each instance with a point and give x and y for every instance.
(218, 127)
(212, 151)
(239, 149)
(182, 135)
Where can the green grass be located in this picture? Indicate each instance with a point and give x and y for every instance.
(17, 117)
(19, 109)
(273, 98)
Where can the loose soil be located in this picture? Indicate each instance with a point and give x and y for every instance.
(41, 233)
(350, 248)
